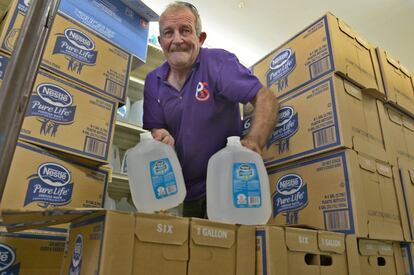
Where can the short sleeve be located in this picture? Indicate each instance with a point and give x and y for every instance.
(235, 81)
(153, 113)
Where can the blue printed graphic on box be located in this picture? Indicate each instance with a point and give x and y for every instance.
(78, 49)
(7, 259)
(51, 186)
(279, 69)
(291, 196)
(53, 107)
(162, 178)
(246, 186)
(4, 61)
(114, 20)
(287, 125)
(76, 260)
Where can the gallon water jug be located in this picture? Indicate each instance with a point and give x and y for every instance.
(124, 165)
(237, 186)
(155, 177)
(122, 114)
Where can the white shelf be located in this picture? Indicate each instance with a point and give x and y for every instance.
(119, 187)
(127, 135)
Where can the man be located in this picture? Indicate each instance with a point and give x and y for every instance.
(192, 100)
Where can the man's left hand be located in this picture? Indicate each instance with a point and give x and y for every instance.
(252, 145)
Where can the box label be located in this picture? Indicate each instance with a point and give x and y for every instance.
(53, 105)
(246, 186)
(7, 259)
(78, 49)
(290, 197)
(51, 186)
(76, 259)
(280, 67)
(162, 178)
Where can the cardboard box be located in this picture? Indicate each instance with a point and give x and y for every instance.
(11, 24)
(221, 249)
(161, 245)
(407, 254)
(74, 52)
(404, 175)
(108, 242)
(66, 117)
(398, 131)
(342, 115)
(341, 191)
(398, 82)
(34, 252)
(293, 251)
(367, 256)
(82, 56)
(328, 45)
(39, 180)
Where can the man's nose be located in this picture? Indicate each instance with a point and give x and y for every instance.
(177, 38)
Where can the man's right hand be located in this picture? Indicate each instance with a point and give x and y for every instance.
(163, 135)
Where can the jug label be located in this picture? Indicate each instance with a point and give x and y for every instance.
(162, 178)
(246, 186)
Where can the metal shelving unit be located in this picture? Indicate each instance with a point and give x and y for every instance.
(127, 135)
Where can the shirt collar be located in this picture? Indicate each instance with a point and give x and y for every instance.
(164, 68)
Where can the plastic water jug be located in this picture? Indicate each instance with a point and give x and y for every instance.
(115, 159)
(155, 177)
(124, 165)
(136, 113)
(122, 114)
(237, 186)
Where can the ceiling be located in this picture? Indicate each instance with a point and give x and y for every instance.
(260, 26)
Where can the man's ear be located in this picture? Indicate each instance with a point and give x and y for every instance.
(202, 37)
(159, 40)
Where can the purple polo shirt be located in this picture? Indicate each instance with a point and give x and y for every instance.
(203, 114)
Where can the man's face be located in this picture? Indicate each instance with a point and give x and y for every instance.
(178, 38)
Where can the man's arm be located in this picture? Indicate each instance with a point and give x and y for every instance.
(264, 120)
(163, 135)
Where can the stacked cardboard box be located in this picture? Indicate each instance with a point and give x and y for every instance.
(110, 242)
(70, 115)
(285, 251)
(341, 155)
(32, 252)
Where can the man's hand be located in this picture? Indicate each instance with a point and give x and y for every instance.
(252, 145)
(163, 135)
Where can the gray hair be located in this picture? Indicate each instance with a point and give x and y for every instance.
(178, 5)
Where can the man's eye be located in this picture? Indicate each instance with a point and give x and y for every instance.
(167, 33)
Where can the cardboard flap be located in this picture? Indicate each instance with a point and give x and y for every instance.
(301, 240)
(367, 247)
(21, 220)
(345, 28)
(331, 242)
(385, 249)
(207, 233)
(352, 90)
(405, 71)
(394, 116)
(384, 170)
(408, 123)
(161, 229)
(366, 163)
(392, 61)
(363, 42)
